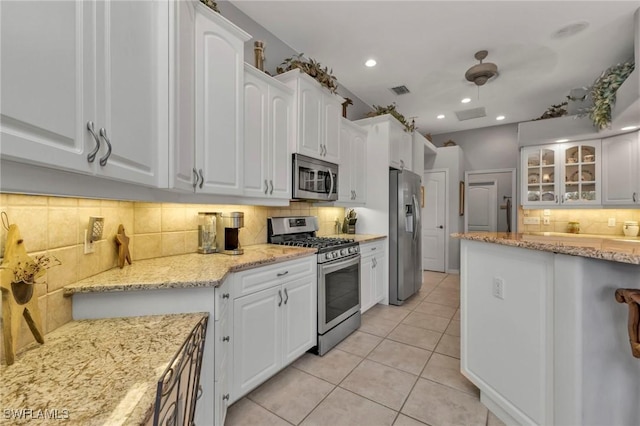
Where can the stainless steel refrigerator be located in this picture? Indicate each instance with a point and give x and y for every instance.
(405, 236)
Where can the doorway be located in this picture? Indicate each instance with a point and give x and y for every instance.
(434, 221)
(490, 200)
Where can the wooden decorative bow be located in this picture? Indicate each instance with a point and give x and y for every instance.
(632, 298)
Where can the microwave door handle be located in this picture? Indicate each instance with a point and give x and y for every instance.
(330, 189)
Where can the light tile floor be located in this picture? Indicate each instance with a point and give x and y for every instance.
(402, 367)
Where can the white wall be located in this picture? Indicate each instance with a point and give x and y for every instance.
(276, 51)
(452, 159)
(493, 147)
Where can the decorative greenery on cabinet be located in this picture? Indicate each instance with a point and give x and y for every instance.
(311, 67)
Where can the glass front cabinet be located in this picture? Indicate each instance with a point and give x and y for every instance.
(564, 175)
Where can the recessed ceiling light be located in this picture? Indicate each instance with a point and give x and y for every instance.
(440, 117)
(629, 128)
(562, 140)
(500, 117)
(370, 63)
(466, 100)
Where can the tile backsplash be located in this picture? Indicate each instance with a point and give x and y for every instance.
(56, 226)
(592, 221)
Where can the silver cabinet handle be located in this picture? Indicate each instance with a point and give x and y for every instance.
(282, 274)
(373, 248)
(103, 160)
(280, 294)
(225, 397)
(286, 295)
(634, 197)
(225, 295)
(266, 187)
(355, 194)
(196, 178)
(440, 227)
(556, 199)
(271, 184)
(374, 263)
(225, 339)
(199, 394)
(201, 178)
(92, 155)
(402, 164)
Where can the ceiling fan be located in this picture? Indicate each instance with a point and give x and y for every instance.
(480, 73)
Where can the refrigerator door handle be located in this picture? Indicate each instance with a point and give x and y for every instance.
(416, 218)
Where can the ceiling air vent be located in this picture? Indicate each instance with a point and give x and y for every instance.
(468, 114)
(400, 90)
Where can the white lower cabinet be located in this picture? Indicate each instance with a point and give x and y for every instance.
(274, 320)
(373, 274)
(222, 351)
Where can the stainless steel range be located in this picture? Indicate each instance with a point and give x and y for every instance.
(338, 276)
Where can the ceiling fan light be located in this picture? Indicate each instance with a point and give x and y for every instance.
(480, 73)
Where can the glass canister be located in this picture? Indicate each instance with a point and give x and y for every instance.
(573, 227)
(207, 222)
(630, 228)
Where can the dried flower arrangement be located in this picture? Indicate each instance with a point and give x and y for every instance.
(603, 94)
(312, 68)
(554, 111)
(28, 272)
(211, 4)
(391, 109)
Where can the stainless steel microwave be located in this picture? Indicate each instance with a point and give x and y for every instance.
(314, 179)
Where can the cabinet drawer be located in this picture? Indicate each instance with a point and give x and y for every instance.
(248, 282)
(371, 248)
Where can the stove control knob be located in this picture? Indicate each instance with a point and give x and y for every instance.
(343, 252)
(328, 256)
(352, 249)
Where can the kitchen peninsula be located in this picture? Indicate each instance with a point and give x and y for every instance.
(542, 335)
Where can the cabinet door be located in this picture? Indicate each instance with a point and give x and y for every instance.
(309, 118)
(299, 318)
(359, 170)
(406, 151)
(219, 105)
(345, 188)
(332, 113)
(133, 100)
(48, 86)
(540, 175)
(256, 152)
(367, 283)
(257, 339)
(580, 173)
(182, 107)
(395, 145)
(280, 136)
(620, 177)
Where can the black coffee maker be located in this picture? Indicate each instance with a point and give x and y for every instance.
(229, 229)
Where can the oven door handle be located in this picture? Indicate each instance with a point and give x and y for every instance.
(334, 266)
(331, 178)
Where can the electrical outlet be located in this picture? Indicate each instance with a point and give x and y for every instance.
(89, 246)
(611, 222)
(546, 220)
(546, 212)
(531, 220)
(498, 288)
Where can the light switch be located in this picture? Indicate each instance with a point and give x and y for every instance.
(612, 221)
(546, 212)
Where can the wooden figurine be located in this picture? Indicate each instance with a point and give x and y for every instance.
(17, 274)
(631, 297)
(123, 247)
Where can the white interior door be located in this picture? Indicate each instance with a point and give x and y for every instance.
(434, 221)
(482, 199)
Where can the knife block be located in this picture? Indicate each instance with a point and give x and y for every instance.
(349, 226)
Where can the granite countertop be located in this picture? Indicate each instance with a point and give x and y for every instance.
(186, 270)
(612, 248)
(94, 372)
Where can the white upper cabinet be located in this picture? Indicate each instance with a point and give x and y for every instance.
(268, 125)
(69, 87)
(353, 166)
(400, 146)
(561, 174)
(317, 113)
(219, 100)
(620, 175)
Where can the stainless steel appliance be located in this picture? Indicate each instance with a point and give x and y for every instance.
(338, 276)
(229, 230)
(405, 242)
(314, 179)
